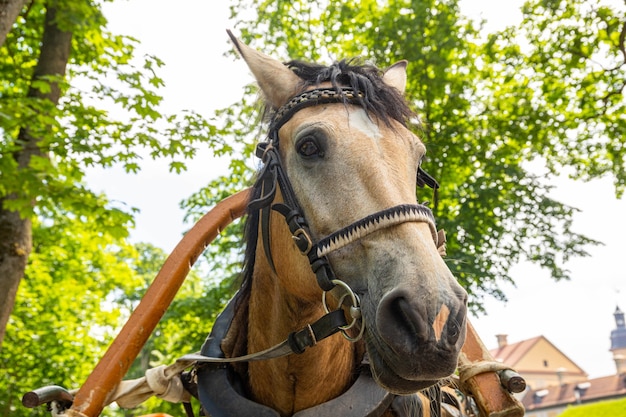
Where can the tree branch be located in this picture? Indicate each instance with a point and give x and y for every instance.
(9, 10)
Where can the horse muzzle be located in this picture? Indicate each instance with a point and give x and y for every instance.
(414, 344)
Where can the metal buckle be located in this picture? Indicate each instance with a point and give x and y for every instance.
(297, 237)
(355, 310)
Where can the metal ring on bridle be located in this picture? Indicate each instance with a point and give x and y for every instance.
(355, 310)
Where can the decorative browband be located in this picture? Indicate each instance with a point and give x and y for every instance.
(313, 98)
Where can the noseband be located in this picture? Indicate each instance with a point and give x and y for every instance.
(273, 177)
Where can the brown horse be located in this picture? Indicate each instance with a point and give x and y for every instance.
(334, 216)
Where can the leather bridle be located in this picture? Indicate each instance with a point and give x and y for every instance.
(272, 178)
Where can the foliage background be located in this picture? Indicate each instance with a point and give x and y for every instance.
(459, 68)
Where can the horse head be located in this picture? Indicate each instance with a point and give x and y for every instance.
(351, 164)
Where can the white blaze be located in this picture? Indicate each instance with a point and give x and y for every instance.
(358, 119)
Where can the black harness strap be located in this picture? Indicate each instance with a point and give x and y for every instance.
(296, 342)
(425, 179)
(272, 177)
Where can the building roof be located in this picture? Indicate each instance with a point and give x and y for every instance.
(593, 390)
(525, 357)
(512, 353)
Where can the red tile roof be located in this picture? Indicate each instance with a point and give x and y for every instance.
(593, 390)
(512, 353)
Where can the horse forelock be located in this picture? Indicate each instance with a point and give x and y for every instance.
(376, 97)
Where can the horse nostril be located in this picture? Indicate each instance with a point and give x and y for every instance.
(400, 322)
(456, 326)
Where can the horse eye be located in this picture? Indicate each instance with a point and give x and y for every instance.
(308, 148)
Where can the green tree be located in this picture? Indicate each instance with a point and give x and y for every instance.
(68, 311)
(73, 96)
(10, 9)
(550, 92)
(574, 79)
(64, 316)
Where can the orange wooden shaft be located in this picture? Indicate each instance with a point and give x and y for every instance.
(492, 399)
(89, 400)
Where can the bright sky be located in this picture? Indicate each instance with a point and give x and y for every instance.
(190, 37)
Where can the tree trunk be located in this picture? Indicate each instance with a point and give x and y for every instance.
(15, 231)
(9, 10)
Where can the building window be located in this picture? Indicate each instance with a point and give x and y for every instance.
(538, 396)
(545, 363)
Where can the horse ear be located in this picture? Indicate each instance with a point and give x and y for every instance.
(277, 82)
(395, 75)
